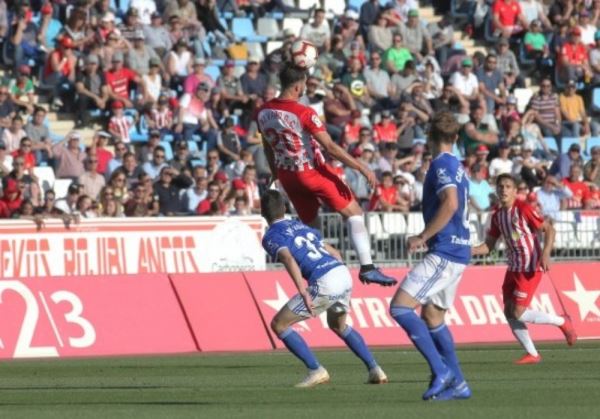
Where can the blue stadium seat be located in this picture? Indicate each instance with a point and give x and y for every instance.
(243, 29)
(566, 143)
(267, 26)
(591, 142)
(552, 144)
(168, 150)
(213, 71)
(356, 4)
(167, 138)
(596, 99)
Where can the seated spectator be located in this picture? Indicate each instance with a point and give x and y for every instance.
(465, 82)
(386, 130)
(508, 65)
(357, 182)
(442, 37)
(91, 181)
(380, 34)
(195, 118)
(491, 83)
(378, 82)
(37, 130)
(182, 160)
(212, 204)
(6, 161)
(119, 79)
(169, 198)
(251, 188)
(355, 81)
(120, 124)
(574, 118)
(404, 80)
(141, 203)
(452, 101)
(588, 26)
(317, 31)
(591, 169)
(595, 59)
(11, 199)
(154, 167)
(431, 80)
(561, 167)
(476, 132)
(479, 189)
(228, 142)
(85, 207)
(553, 197)
(396, 56)
(386, 197)
(25, 152)
(579, 188)
(70, 158)
(160, 116)
(416, 36)
(388, 153)
(117, 160)
(12, 136)
(254, 82)
(139, 55)
(152, 83)
(196, 193)
(338, 111)
(157, 35)
(60, 70)
(7, 109)
(573, 59)
(534, 10)
(535, 42)
(352, 129)
(547, 110)
(68, 204)
(92, 91)
(508, 18)
(502, 163)
(22, 90)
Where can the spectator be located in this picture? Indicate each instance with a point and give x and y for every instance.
(6, 161)
(317, 31)
(508, 65)
(573, 60)
(466, 83)
(251, 188)
(387, 160)
(442, 37)
(536, 44)
(396, 56)
(85, 207)
(154, 167)
(591, 169)
(197, 77)
(119, 80)
(68, 204)
(140, 55)
(59, 71)
(157, 35)
(357, 182)
(579, 189)
(355, 82)
(491, 84)
(117, 160)
(380, 35)
(7, 109)
(70, 158)
(160, 116)
(562, 165)
(111, 209)
(403, 80)
(228, 142)
(338, 111)
(37, 129)
(195, 118)
(25, 151)
(508, 18)
(11, 199)
(22, 90)
(547, 110)
(477, 132)
(574, 118)
(378, 82)
(451, 100)
(231, 88)
(119, 180)
(131, 169)
(196, 193)
(416, 36)
(529, 168)
(553, 197)
(131, 24)
(369, 12)
(92, 91)
(91, 181)
(98, 147)
(254, 82)
(120, 124)
(432, 81)
(480, 190)
(140, 204)
(385, 130)
(587, 26)
(212, 204)
(534, 10)
(12, 137)
(168, 196)
(502, 163)
(386, 197)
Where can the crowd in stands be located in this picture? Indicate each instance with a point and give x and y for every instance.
(171, 92)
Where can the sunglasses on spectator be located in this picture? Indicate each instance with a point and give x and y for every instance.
(214, 190)
(159, 156)
(120, 179)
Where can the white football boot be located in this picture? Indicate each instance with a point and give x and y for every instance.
(314, 378)
(377, 376)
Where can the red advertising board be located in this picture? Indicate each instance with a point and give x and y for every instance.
(477, 314)
(88, 316)
(579, 290)
(221, 311)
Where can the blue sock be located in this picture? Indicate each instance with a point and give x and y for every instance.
(445, 345)
(357, 344)
(294, 342)
(417, 331)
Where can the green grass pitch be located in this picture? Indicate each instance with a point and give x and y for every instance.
(565, 385)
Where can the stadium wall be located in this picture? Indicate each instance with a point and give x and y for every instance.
(207, 312)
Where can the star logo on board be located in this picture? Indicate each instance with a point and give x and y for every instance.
(1, 344)
(281, 300)
(585, 299)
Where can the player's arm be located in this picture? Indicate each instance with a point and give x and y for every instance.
(285, 257)
(484, 248)
(270, 158)
(549, 235)
(341, 155)
(448, 206)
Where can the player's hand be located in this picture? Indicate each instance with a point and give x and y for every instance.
(545, 262)
(371, 178)
(308, 303)
(416, 243)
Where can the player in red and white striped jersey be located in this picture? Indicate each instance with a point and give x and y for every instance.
(519, 225)
(292, 136)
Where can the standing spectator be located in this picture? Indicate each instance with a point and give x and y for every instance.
(574, 118)
(70, 158)
(573, 58)
(317, 31)
(12, 137)
(491, 83)
(154, 167)
(92, 91)
(119, 80)
(561, 167)
(479, 189)
(547, 110)
(169, 199)
(591, 169)
(415, 36)
(553, 197)
(91, 181)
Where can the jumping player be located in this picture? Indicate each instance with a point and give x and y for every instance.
(303, 253)
(291, 135)
(519, 225)
(433, 282)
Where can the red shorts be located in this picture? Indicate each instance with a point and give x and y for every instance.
(309, 188)
(519, 287)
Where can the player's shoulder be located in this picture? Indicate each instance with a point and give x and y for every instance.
(447, 160)
(525, 208)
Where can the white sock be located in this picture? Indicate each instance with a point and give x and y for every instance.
(539, 317)
(520, 331)
(360, 239)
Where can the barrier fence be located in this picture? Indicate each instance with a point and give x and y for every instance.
(178, 313)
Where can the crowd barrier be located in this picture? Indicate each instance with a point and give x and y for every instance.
(179, 313)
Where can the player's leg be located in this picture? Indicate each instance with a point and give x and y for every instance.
(412, 293)
(336, 320)
(293, 312)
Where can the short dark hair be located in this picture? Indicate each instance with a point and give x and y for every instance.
(506, 176)
(272, 205)
(291, 75)
(444, 127)
(387, 173)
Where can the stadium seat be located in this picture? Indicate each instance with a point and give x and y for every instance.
(243, 29)
(255, 49)
(238, 70)
(551, 143)
(596, 100)
(394, 223)
(61, 187)
(591, 142)
(294, 24)
(45, 177)
(415, 223)
(567, 142)
(168, 150)
(336, 6)
(355, 4)
(375, 227)
(267, 26)
(272, 46)
(307, 4)
(213, 71)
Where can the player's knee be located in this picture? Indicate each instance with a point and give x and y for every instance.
(336, 327)
(277, 326)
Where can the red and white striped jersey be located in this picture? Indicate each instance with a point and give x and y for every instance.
(519, 226)
(289, 128)
(162, 119)
(121, 126)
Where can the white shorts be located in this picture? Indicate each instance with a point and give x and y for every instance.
(434, 280)
(331, 291)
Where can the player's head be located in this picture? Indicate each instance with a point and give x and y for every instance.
(443, 129)
(506, 189)
(293, 80)
(272, 206)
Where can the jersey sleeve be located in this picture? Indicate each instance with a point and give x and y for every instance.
(273, 244)
(445, 174)
(494, 230)
(533, 218)
(311, 122)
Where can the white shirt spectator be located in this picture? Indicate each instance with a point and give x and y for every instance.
(499, 166)
(145, 9)
(152, 170)
(194, 198)
(378, 81)
(465, 85)
(317, 35)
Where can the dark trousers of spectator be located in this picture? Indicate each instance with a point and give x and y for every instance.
(84, 105)
(25, 52)
(63, 89)
(209, 137)
(441, 53)
(547, 132)
(335, 132)
(571, 129)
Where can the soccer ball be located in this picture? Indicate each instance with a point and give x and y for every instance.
(304, 54)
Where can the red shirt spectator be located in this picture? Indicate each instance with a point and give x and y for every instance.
(386, 130)
(581, 193)
(574, 52)
(11, 199)
(507, 12)
(385, 195)
(118, 77)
